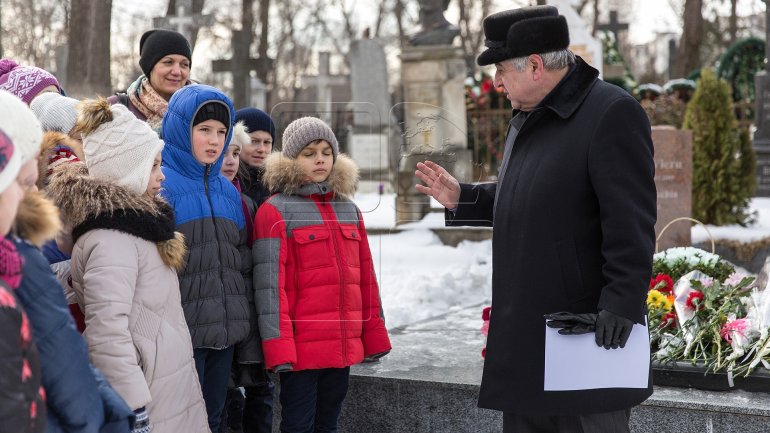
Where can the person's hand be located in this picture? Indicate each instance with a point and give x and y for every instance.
(612, 331)
(571, 323)
(142, 424)
(439, 184)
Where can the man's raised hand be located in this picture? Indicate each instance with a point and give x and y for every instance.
(439, 184)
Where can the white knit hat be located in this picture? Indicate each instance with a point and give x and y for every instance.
(118, 147)
(55, 112)
(21, 126)
(10, 161)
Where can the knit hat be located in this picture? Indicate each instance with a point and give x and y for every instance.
(213, 110)
(240, 136)
(25, 82)
(118, 147)
(521, 32)
(305, 130)
(256, 120)
(158, 43)
(21, 126)
(10, 162)
(55, 112)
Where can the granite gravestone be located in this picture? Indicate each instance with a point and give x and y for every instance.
(370, 136)
(673, 181)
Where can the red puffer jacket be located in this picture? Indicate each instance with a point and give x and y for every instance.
(316, 292)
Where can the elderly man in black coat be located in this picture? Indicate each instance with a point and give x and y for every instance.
(573, 213)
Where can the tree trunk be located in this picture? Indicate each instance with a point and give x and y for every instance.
(596, 18)
(264, 16)
(88, 71)
(688, 52)
(733, 21)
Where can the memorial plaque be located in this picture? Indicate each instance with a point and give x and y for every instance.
(673, 181)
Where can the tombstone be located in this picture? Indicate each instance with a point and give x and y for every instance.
(240, 65)
(581, 41)
(323, 83)
(183, 23)
(762, 119)
(258, 97)
(435, 123)
(370, 137)
(673, 181)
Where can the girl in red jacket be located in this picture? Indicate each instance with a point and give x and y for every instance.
(316, 292)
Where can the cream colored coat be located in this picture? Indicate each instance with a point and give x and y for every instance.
(128, 289)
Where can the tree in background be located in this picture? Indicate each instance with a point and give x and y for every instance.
(723, 168)
(88, 70)
(688, 53)
(33, 39)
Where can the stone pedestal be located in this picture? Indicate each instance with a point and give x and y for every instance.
(434, 122)
(762, 135)
(673, 181)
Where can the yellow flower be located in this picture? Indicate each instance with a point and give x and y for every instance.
(655, 300)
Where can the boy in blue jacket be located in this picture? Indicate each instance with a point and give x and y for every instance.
(197, 128)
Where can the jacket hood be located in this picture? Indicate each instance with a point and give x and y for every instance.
(176, 129)
(37, 220)
(88, 204)
(282, 174)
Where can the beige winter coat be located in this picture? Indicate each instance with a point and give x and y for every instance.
(123, 273)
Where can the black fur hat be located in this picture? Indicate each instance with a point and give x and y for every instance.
(523, 31)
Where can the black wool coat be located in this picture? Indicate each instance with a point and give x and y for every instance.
(573, 231)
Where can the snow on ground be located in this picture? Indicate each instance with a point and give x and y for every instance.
(421, 278)
(756, 231)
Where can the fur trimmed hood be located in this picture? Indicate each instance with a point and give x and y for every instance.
(283, 174)
(37, 220)
(87, 203)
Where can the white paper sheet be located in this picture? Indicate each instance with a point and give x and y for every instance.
(574, 362)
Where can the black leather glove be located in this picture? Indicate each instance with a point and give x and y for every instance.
(612, 331)
(571, 323)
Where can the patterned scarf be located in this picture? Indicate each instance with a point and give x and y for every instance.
(10, 263)
(147, 101)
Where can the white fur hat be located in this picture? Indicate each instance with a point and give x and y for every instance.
(118, 147)
(55, 112)
(240, 136)
(21, 126)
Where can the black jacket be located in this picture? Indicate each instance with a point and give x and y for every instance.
(573, 231)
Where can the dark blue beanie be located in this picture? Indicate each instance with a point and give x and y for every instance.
(255, 120)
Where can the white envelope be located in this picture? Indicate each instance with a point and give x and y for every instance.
(574, 362)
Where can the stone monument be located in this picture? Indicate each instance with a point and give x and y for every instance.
(370, 140)
(435, 125)
(581, 42)
(673, 181)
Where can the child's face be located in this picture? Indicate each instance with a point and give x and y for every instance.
(208, 141)
(232, 160)
(256, 151)
(156, 177)
(9, 204)
(316, 161)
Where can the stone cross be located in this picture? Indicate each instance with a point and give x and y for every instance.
(185, 24)
(240, 65)
(323, 83)
(762, 119)
(614, 26)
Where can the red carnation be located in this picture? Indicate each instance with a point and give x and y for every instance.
(695, 300)
(484, 352)
(668, 320)
(486, 312)
(662, 283)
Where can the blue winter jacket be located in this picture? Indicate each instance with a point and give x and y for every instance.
(78, 398)
(208, 212)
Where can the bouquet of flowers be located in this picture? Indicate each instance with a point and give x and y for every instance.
(702, 310)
